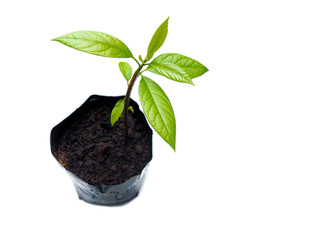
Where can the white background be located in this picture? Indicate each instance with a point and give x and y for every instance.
(247, 160)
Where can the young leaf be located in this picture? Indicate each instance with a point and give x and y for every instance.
(158, 110)
(171, 71)
(96, 43)
(192, 67)
(131, 109)
(126, 70)
(158, 39)
(117, 111)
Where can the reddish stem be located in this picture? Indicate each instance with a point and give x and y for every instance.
(127, 100)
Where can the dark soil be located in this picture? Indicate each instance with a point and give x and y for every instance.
(95, 151)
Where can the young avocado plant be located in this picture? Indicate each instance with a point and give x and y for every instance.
(155, 103)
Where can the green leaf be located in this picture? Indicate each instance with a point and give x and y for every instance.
(158, 110)
(192, 67)
(158, 39)
(96, 43)
(126, 70)
(117, 111)
(171, 71)
(131, 109)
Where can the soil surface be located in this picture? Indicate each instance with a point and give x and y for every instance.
(95, 151)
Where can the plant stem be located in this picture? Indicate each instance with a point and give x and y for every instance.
(127, 100)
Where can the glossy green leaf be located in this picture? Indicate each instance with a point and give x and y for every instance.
(157, 39)
(140, 58)
(126, 70)
(170, 71)
(117, 111)
(158, 110)
(192, 67)
(96, 43)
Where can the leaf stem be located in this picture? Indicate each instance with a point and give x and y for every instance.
(142, 72)
(136, 60)
(127, 100)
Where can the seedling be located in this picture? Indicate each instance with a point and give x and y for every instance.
(155, 103)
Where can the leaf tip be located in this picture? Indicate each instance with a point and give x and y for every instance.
(174, 147)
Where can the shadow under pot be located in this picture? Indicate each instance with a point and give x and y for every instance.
(104, 169)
